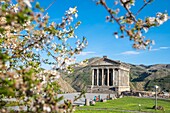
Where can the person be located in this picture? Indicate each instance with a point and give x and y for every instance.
(94, 98)
(97, 98)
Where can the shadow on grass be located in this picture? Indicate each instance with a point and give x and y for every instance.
(148, 107)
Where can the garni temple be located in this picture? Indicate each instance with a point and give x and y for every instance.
(109, 76)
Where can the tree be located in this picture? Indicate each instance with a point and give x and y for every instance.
(26, 37)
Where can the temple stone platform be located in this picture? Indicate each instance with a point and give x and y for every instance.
(101, 89)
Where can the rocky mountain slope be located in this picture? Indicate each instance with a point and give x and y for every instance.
(65, 87)
(158, 74)
(142, 77)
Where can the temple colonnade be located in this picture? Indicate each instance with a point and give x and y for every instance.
(105, 77)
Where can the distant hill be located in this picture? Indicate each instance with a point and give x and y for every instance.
(80, 78)
(158, 74)
(142, 77)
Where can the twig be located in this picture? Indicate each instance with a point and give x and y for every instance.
(110, 12)
(143, 7)
(50, 5)
(130, 13)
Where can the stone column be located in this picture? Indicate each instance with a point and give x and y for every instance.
(97, 77)
(119, 82)
(102, 76)
(116, 77)
(115, 82)
(123, 78)
(92, 77)
(113, 74)
(108, 77)
(113, 77)
(127, 78)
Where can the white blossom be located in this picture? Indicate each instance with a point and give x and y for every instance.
(53, 45)
(65, 30)
(159, 21)
(48, 41)
(58, 76)
(159, 14)
(151, 20)
(16, 9)
(59, 58)
(70, 18)
(27, 2)
(78, 42)
(139, 33)
(124, 1)
(76, 15)
(78, 48)
(116, 36)
(165, 17)
(153, 42)
(161, 18)
(82, 45)
(72, 10)
(65, 39)
(145, 29)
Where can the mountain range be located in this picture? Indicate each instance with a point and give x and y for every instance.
(142, 77)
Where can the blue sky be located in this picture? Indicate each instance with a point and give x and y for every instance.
(99, 33)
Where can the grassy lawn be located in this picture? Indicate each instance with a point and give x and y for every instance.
(126, 104)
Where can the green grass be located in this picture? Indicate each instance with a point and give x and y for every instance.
(126, 104)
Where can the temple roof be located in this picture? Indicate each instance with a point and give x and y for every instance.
(108, 62)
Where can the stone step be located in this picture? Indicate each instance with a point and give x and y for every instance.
(106, 90)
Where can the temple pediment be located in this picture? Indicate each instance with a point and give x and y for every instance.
(105, 62)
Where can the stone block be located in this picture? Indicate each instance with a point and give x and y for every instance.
(87, 102)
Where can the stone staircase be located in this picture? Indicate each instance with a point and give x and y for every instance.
(101, 89)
